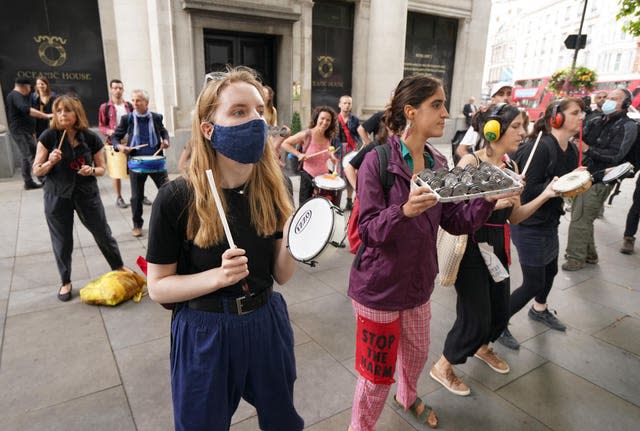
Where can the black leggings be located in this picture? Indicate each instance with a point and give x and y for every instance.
(536, 283)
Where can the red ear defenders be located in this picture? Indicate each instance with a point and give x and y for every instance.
(493, 128)
(557, 117)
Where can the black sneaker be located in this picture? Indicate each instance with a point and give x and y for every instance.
(146, 201)
(32, 185)
(121, 203)
(547, 318)
(508, 340)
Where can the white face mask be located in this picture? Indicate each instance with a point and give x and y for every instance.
(609, 107)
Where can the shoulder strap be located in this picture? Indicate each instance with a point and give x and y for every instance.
(386, 177)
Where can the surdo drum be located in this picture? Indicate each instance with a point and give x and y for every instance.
(573, 184)
(329, 187)
(316, 230)
(147, 164)
(116, 163)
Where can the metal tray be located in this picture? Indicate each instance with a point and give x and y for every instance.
(507, 173)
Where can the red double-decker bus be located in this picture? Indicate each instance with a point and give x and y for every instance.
(532, 95)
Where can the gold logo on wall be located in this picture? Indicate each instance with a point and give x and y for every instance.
(55, 43)
(325, 66)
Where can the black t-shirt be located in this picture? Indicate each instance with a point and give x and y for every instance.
(168, 238)
(548, 161)
(63, 179)
(373, 123)
(18, 108)
(357, 160)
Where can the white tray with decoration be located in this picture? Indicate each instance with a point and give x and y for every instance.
(470, 182)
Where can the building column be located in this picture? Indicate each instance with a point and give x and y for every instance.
(361, 30)
(385, 59)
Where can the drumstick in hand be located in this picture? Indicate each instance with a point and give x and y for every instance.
(317, 154)
(533, 150)
(64, 132)
(223, 217)
(157, 152)
(139, 146)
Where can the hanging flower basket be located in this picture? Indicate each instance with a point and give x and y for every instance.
(564, 83)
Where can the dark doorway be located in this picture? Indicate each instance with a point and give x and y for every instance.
(256, 51)
(332, 52)
(431, 47)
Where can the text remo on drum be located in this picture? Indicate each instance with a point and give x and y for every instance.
(316, 230)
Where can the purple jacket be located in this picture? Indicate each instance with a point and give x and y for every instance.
(397, 266)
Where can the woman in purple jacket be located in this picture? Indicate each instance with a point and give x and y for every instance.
(393, 273)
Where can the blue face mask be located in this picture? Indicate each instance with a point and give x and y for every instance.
(609, 107)
(243, 143)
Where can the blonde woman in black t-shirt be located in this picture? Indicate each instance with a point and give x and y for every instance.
(231, 335)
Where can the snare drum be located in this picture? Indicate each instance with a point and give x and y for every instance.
(617, 172)
(147, 164)
(329, 187)
(347, 158)
(573, 183)
(316, 230)
(116, 163)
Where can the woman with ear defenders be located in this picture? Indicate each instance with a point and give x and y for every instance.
(536, 238)
(482, 303)
(230, 334)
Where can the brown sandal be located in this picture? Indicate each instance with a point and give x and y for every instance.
(426, 416)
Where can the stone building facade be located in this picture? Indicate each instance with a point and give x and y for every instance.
(310, 52)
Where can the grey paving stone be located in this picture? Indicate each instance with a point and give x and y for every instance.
(131, 323)
(482, 410)
(583, 314)
(243, 412)
(303, 287)
(6, 274)
(101, 411)
(324, 387)
(33, 240)
(53, 356)
(565, 401)
(389, 421)
(299, 336)
(41, 298)
(624, 333)
(596, 361)
(612, 295)
(337, 278)
(40, 270)
(329, 321)
(8, 245)
(146, 379)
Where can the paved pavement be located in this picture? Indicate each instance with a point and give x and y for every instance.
(71, 366)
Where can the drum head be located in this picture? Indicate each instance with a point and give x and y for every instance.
(617, 172)
(310, 229)
(329, 182)
(571, 181)
(148, 158)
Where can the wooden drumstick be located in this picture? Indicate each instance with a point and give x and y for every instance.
(64, 132)
(533, 150)
(137, 147)
(223, 217)
(157, 152)
(317, 154)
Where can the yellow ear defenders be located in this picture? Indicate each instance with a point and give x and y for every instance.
(492, 129)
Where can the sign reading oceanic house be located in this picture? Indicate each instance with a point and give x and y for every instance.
(61, 41)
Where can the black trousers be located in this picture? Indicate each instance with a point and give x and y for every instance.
(536, 283)
(59, 213)
(482, 308)
(306, 187)
(27, 146)
(634, 212)
(137, 192)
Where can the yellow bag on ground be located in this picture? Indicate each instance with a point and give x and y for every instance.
(113, 288)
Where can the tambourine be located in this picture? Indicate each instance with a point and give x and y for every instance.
(573, 184)
(617, 172)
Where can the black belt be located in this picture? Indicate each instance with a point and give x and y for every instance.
(241, 305)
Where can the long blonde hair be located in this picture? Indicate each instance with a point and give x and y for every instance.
(269, 204)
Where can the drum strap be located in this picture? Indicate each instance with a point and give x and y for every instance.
(351, 144)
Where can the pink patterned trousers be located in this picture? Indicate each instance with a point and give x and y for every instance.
(413, 350)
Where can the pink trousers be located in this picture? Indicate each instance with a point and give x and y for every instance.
(413, 350)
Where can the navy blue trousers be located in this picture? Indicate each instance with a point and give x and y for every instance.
(218, 358)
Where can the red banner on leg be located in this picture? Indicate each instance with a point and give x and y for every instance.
(377, 349)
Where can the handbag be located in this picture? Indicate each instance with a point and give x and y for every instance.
(450, 250)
